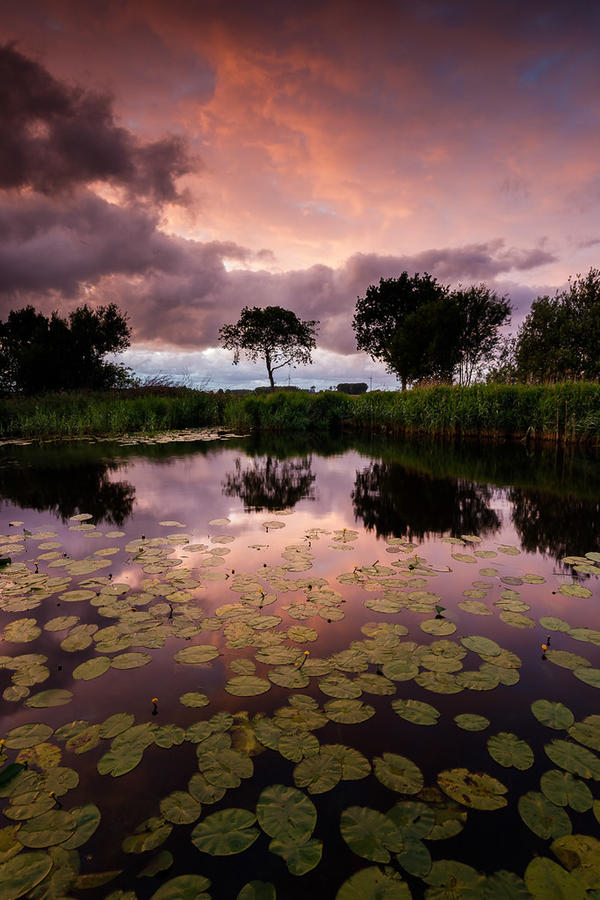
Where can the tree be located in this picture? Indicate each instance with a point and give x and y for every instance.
(352, 387)
(482, 313)
(560, 337)
(387, 322)
(274, 334)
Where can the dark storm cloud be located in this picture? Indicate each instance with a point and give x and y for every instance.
(179, 292)
(56, 137)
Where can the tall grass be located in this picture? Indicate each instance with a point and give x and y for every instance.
(567, 412)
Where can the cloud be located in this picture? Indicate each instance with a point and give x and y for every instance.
(178, 291)
(56, 137)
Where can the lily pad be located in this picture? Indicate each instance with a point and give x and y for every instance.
(183, 887)
(354, 765)
(574, 758)
(247, 685)
(553, 714)
(416, 711)
(196, 655)
(20, 875)
(92, 668)
(398, 773)
(226, 832)
(180, 808)
(374, 884)
(475, 790)
(545, 878)
(509, 750)
(542, 816)
(52, 697)
(27, 735)
(87, 819)
(257, 890)
(471, 722)
(50, 828)
(563, 789)
(319, 773)
(286, 814)
(370, 834)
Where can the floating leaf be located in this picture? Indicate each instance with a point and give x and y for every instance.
(46, 830)
(247, 685)
(226, 832)
(471, 722)
(160, 863)
(180, 808)
(543, 817)
(183, 887)
(481, 645)
(46, 699)
(299, 859)
(370, 834)
(20, 875)
(416, 711)
(588, 675)
(196, 655)
(116, 724)
(509, 750)
(354, 765)
(553, 714)
(92, 668)
(131, 660)
(257, 890)
(319, 773)
(574, 758)
(475, 790)
(374, 884)
(87, 819)
(348, 712)
(587, 732)
(27, 735)
(149, 835)
(563, 789)
(398, 773)
(545, 878)
(286, 814)
(454, 879)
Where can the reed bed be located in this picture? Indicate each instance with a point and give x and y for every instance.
(568, 412)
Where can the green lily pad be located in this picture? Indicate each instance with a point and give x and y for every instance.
(553, 714)
(148, 836)
(159, 863)
(180, 808)
(183, 887)
(50, 828)
(196, 655)
(286, 814)
(87, 819)
(92, 668)
(130, 660)
(257, 890)
(553, 623)
(46, 699)
(415, 858)
(371, 683)
(370, 834)
(542, 816)
(120, 761)
(194, 699)
(414, 819)
(588, 675)
(296, 746)
(299, 858)
(21, 631)
(319, 773)
(20, 874)
(27, 735)
(400, 669)
(374, 884)
(563, 789)
(116, 724)
(509, 750)
(226, 832)
(574, 758)
(439, 682)
(454, 879)
(587, 732)
(475, 790)
(575, 590)
(289, 677)
(340, 686)
(398, 773)
(545, 878)
(437, 626)
(354, 765)
(203, 791)
(471, 722)
(481, 645)
(348, 712)
(247, 685)
(416, 711)
(580, 854)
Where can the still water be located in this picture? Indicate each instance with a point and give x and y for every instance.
(245, 661)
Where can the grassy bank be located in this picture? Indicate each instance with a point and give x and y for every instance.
(568, 412)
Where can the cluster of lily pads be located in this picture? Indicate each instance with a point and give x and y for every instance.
(39, 847)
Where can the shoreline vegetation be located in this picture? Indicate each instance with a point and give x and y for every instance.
(567, 412)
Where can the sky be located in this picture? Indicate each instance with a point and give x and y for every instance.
(190, 158)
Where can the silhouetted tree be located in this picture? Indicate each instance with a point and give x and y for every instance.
(274, 334)
(482, 314)
(271, 483)
(560, 337)
(40, 354)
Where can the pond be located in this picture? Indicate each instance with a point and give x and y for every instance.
(258, 668)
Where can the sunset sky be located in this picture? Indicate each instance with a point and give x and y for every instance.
(186, 159)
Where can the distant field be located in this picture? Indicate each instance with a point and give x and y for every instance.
(567, 412)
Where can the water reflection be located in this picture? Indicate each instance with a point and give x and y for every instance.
(395, 501)
(568, 527)
(270, 483)
(65, 480)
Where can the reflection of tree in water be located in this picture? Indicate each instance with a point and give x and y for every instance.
(396, 501)
(68, 489)
(559, 527)
(271, 483)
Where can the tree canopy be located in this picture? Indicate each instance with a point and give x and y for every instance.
(271, 333)
(421, 330)
(560, 337)
(39, 354)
